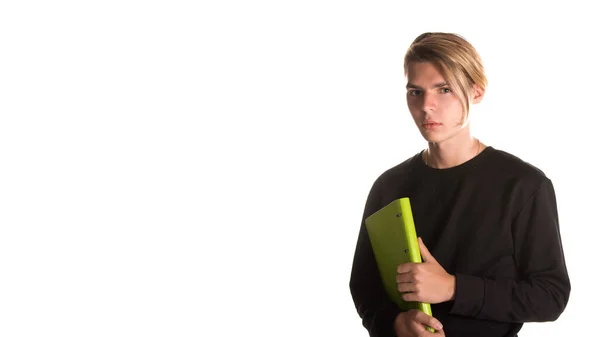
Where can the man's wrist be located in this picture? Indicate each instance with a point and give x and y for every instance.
(451, 287)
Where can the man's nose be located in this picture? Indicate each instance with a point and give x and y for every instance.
(429, 102)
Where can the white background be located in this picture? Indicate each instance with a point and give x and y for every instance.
(171, 168)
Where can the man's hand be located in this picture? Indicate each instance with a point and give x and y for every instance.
(425, 282)
(414, 323)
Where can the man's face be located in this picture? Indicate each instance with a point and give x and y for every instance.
(435, 108)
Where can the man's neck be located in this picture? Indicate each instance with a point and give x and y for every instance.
(452, 152)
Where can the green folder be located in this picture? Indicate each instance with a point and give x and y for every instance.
(394, 240)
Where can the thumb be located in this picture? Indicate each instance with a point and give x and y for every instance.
(425, 254)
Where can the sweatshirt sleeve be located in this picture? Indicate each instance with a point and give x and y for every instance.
(542, 292)
(375, 309)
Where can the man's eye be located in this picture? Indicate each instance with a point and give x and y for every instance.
(414, 93)
(446, 90)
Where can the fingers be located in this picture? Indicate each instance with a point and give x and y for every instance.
(424, 319)
(425, 254)
(405, 268)
(406, 288)
(406, 282)
(421, 324)
(405, 278)
(437, 333)
(410, 296)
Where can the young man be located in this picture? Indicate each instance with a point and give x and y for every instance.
(487, 220)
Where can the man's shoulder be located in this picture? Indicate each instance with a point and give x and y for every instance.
(514, 165)
(512, 171)
(398, 171)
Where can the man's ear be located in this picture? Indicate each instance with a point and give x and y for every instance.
(477, 93)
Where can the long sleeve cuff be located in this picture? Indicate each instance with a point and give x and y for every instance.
(468, 295)
(533, 300)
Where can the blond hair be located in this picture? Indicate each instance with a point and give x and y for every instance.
(455, 58)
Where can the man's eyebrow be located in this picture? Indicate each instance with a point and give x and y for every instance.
(437, 85)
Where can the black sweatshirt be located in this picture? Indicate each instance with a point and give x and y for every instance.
(492, 222)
